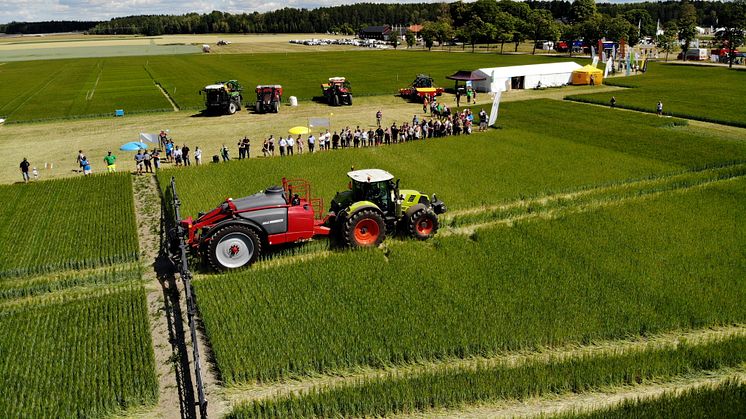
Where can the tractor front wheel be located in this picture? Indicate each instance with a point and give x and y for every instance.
(423, 224)
(276, 107)
(233, 247)
(232, 108)
(364, 229)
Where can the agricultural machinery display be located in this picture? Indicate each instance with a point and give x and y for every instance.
(268, 98)
(422, 87)
(236, 233)
(223, 97)
(337, 91)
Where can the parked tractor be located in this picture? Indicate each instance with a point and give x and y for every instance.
(375, 206)
(236, 233)
(268, 98)
(421, 88)
(223, 97)
(337, 91)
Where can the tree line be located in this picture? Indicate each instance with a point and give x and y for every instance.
(53, 26)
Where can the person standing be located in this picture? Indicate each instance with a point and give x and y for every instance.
(148, 163)
(111, 163)
(271, 141)
(162, 139)
(177, 156)
(311, 143)
(425, 105)
(224, 153)
(86, 165)
(291, 145)
(482, 120)
(80, 158)
(197, 156)
(379, 116)
(169, 150)
(613, 101)
(283, 145)
(156, 159)
(24, 169)
(659, 108)
(185, 155)
(458, 98)
(139, 161)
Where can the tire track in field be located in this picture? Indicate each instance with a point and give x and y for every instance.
(90, 93)
(52, 77)
(586, 402)
(673, 339)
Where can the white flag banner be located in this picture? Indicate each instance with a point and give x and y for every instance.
(318, 122)
(608, 68)
(151, 138)
(495, 106)
(595, 61)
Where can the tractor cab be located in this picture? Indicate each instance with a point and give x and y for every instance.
(223, 96)
(422, 80)
(338, 83)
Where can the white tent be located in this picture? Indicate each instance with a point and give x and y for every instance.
(526, 76)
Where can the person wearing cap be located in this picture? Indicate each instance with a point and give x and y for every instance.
(111, 162)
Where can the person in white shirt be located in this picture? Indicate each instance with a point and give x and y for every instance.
(283, 145)
(197, 156)
(364, 138)
(291, 145)
(311, 143)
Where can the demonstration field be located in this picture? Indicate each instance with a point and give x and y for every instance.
(689, 91)
(74, 88)
(67, 224)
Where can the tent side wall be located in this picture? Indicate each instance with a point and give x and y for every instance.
(547, 80)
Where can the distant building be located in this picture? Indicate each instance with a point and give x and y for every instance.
(376, 32)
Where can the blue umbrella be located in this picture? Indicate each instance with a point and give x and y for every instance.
(133, 146)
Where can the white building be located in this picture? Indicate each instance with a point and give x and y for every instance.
(525, 76)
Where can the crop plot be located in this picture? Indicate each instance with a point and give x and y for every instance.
(84, 357)
(688, 91)
(670, 262)
(67, 224)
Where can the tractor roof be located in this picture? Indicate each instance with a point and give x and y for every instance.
(214, 86)
(274, 86)
(336, 79)
(370, 175)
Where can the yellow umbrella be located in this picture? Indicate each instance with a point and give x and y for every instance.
(299, 130)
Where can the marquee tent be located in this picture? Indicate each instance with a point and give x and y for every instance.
(583, 75)
(525, 76)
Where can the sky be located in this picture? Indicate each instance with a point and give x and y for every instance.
(40, 10)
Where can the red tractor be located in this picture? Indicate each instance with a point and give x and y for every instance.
(337, 91)
(268, 98)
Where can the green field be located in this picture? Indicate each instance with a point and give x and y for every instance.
(97, 86)
(521, 159)
(67, 224)
(598, 275)
(86, 356)
(455, 388)
(727, 400)
(687, 91)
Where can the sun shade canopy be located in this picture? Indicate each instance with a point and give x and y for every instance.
(467, 75)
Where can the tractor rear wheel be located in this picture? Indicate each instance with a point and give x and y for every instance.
(364, 229)
(423, 224)
(232, 108)
(276, 107)
(233, 247)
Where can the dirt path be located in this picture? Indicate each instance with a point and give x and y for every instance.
(585, 402)
(257, 391)
(168, 97)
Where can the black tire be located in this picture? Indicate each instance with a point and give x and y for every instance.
(335, 100)
(276, 107)
(423, 224)
(364, 228)
(349, 100)
(235, 233)
(232, 108)
(258, 107)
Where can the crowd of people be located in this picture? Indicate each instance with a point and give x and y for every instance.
(442, 122)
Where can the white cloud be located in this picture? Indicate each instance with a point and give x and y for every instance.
(39, 10)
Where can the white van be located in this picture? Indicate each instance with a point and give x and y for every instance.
(698, 54)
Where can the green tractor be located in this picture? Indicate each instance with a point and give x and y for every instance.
(374, 205)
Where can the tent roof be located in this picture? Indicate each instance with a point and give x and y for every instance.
(588, 69)
(530, 70)
(466, 75)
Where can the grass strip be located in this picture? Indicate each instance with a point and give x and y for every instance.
(454, 388)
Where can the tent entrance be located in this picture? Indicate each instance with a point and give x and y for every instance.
(517, 82)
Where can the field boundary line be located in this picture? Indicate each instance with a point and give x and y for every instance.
(161, 89)
(241, 393)
(555, 213)
(95, 84)
(588, 402)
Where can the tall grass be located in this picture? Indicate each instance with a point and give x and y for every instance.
(671, 262)
(453, 388)
(85, 357)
